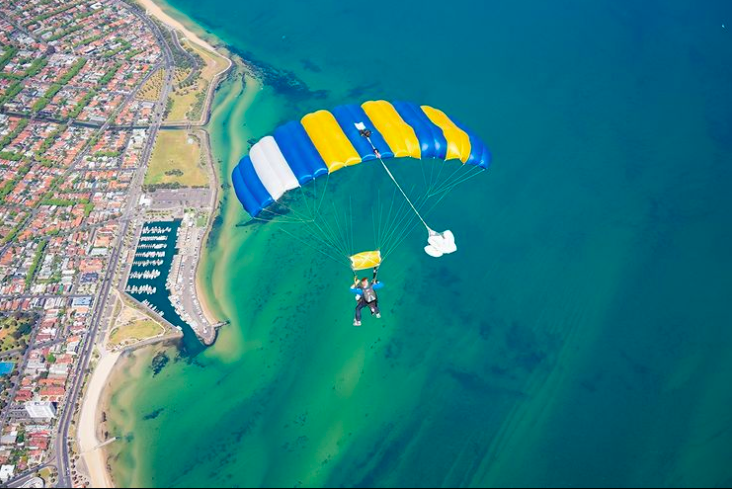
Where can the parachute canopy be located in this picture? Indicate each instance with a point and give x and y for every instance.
(326, 141)
(365, 260)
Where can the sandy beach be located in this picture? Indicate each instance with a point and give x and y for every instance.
(203, 299)
(155, 11)
(87, 436)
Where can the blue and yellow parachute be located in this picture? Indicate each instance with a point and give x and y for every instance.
(321, 143)
(324, 142)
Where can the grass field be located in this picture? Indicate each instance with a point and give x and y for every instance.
(187, 102)
(135, 332)
(184, 102)
(176, 160)
(150, 91)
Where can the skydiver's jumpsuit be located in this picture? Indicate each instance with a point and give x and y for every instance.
(368, 298)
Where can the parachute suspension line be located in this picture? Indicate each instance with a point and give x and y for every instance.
(322, 240)
(404, 193)
(401, 220)
(446, 192)
(292, 214)
(436, 189)
(327, 236)
(314, 194)
(424, 175)
(395, 222)
(353, 240)
(335, 235)
(285, 218)
(341, 230)
(380, 222)
(438, 179)
(406, 230)
(306, 201)
(330, 238)
(386, 224)
(367, 134)
(449, 185)
(264, 220)
(319, 250)
(325, 190)
(432, 176)
(323, 234)
(373, 221)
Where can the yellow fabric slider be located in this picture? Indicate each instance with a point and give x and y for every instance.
(366, 260)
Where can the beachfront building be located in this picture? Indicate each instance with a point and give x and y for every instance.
(40, 409)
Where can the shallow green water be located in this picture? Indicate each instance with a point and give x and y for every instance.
(581, 336)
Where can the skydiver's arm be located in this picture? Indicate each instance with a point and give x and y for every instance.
(356, 291)
(378, 285)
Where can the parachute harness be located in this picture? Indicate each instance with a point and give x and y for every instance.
(439, 243)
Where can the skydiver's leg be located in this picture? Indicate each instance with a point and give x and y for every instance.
(361, 304)
(374, 306)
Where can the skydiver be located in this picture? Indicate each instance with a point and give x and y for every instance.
(366, 296)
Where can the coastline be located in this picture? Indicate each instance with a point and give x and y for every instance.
(156, 11)
(203, 296)
(91, 449)
(93, 454)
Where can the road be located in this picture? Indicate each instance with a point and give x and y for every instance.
(194, 61)
(43, 297)
(100, 310)
(21, 479)
(80, 157)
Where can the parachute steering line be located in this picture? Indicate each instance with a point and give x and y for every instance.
(439, 244)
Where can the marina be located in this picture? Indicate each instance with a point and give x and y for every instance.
(162, 277)
(148, 280)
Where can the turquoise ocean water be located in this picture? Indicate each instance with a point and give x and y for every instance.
(581, 335)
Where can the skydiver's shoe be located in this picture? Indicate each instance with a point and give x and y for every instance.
(378, 315)
(357, 323)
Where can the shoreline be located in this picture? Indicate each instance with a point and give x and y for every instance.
(158, 12)
(154, 10)
(203, 297)
(90, 448)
